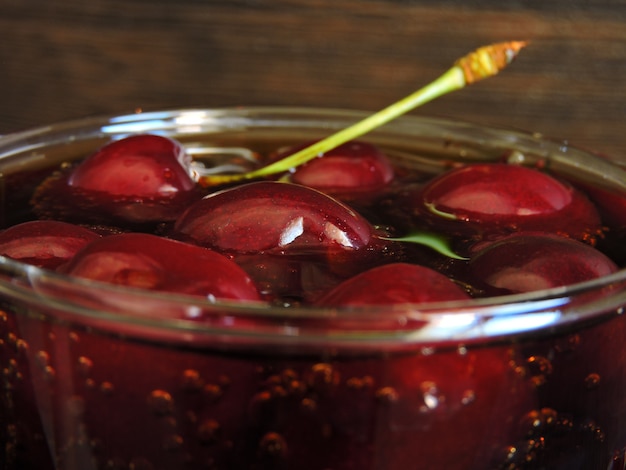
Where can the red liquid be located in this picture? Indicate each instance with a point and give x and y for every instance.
(105, 402)
(80, 397)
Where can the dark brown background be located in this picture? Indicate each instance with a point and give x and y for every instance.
(65, 59)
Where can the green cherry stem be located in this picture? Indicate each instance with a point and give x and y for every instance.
(479, 64)
(431, 240)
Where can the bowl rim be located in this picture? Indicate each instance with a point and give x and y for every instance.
(466, 320)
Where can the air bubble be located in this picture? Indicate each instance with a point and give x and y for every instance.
(107, 388)
(430, 396)
(21, 345)
(323, 377)
(541, 422)
(273, 446)
(469, 396)
(523, 456)
(261, 398)
(539, 368)
(387, 395)
(594, 430)
(12, 339)
(11, 371)
(212, 392)
(260, 404)
(516, 158)
(84, 365)
(173, 443)
(191, 380)
(360, 383)
(43, 358)
(308, 404)
(160, 402)
(592, 381)
(208, 431)
(49, 373)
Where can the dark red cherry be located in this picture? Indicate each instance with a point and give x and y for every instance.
(352, 169)
(500, 198)
(295, 241)
(156, 263)
(141, 166)
(135, 180)
(276, 218)
(529, 262)
(44, 243)
(611, 206)
(394, 283)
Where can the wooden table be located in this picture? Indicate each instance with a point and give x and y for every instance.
(68, 59)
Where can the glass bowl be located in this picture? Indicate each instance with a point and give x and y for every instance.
(104, 377)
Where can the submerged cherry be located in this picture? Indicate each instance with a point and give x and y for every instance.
(496, 198)
(528, 262)
(350, 170)
(156, 263)
(44, 243)
(394, 283)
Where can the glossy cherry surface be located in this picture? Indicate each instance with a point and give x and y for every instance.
(349, 170)
(142, 166)
(529, 262)
(155, 263)
(501, 198)
(274, 217)
(394, 283)
(44, 243)
(141, 179)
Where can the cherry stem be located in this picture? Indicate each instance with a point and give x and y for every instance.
(479, 64)
(433, 241)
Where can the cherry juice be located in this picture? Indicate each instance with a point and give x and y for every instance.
(98, 376)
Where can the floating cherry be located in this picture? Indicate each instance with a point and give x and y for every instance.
(496, 199)
(276, 218)
(135, 180)
(351, 170)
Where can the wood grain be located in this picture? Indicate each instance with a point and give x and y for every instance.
(69, 59)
